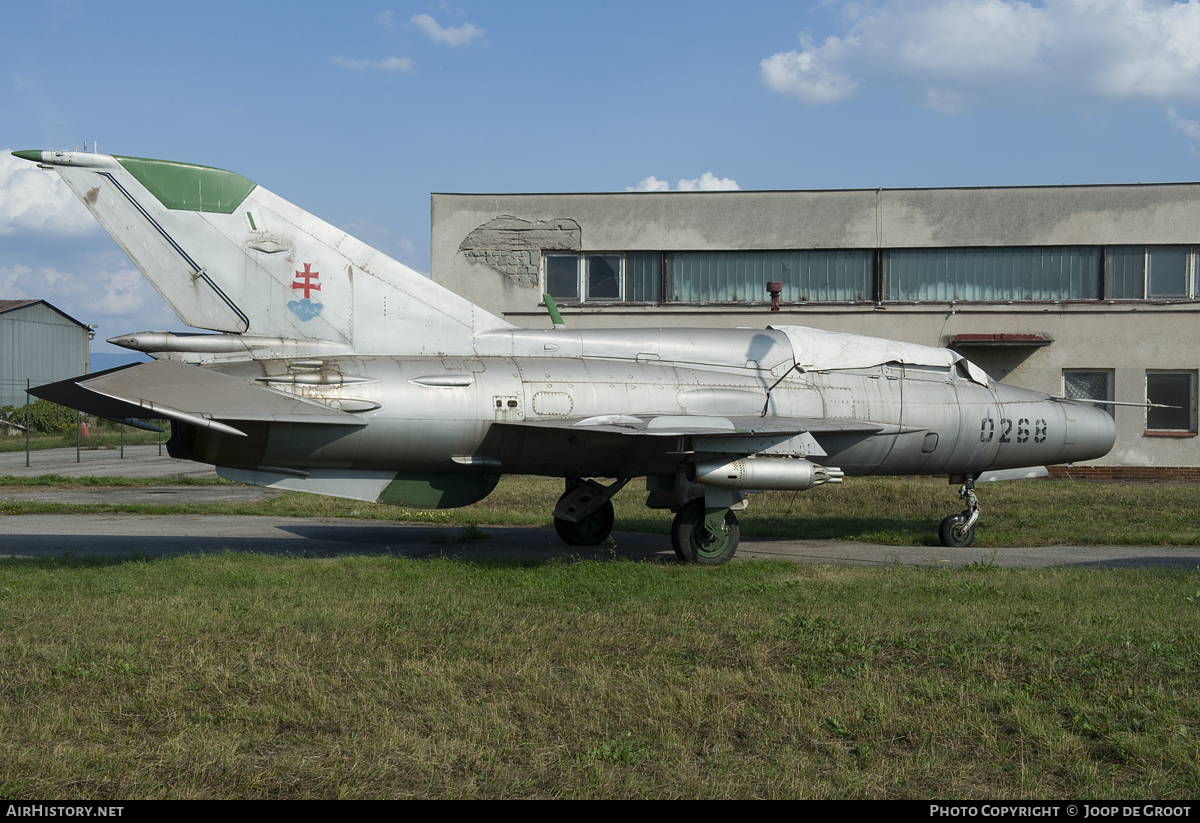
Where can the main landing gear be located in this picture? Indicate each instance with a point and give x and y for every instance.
(584, 514)
(958, 530)
(705, 529)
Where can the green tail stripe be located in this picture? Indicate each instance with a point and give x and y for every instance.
(187, 187)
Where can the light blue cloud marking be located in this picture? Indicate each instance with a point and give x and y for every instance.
(305, 309)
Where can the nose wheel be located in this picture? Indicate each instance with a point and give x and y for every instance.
(707, 536)
(958, 530)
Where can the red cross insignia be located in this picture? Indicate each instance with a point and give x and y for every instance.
(308, 277)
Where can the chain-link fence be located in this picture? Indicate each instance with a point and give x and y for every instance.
(40, 425)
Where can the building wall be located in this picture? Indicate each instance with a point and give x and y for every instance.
(488, 249)
(38, 343)
(860, 219)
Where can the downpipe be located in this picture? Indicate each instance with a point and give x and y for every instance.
(763, 473)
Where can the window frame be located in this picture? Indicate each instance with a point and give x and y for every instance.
(1189, 274)
(1190, 430)
(582, 276)
(547, 256)
(585, 279)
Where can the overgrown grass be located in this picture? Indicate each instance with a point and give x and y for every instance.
(890, 511)
(269, 677)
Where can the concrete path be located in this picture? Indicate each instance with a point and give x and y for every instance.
(131, 535)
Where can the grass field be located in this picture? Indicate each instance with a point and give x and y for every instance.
(268, 677)
(274, 677)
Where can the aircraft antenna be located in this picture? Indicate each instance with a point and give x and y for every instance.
(555, 317)
(794, 367)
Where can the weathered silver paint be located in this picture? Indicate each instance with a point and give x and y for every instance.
(437, 414)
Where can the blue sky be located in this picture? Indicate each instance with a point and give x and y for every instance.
(356, 113)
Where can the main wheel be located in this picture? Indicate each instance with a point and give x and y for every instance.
(696, 544)
(953, 532)
(591, 530)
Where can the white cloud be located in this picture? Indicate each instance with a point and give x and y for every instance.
(387, 64)
(705, 182)
(33, 199)
(812, 75)
(452, 36)
(11, 282)
(1190, 128)
(651, 183)
(951, 54)
(385, 19)
(113, 299)
(708, 182)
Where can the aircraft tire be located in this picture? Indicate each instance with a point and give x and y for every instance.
(952, 533)
(694, 544)
(591, 531)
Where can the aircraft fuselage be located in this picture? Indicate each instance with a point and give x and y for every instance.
(474, 413)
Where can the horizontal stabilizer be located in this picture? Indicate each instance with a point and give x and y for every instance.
(190, 394)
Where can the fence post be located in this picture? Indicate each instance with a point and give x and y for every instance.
(26, 422)
(78, 425)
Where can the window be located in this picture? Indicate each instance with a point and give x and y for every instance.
(967, 274)
(1124, 272)
(1079, 384)
(1155, 272)
(1168, 271)
(742, 276)
(602, 276)
(562, 276)
(1177, 391)
(632, 277)
(1033, 273)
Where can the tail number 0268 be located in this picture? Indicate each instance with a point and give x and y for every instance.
(987, 430)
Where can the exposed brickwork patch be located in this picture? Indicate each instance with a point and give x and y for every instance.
(514, 247)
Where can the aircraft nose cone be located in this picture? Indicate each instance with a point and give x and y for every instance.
(1095, 435)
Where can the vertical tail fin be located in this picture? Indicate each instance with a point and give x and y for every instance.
(230, 256)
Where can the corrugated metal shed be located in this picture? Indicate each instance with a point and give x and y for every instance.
(38, 342)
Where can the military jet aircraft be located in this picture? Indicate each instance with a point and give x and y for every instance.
(331, 368)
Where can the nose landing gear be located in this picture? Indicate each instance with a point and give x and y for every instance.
(958, 530)
(705, 535)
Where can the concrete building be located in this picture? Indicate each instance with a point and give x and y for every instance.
(38, 343)
(1091, 291)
